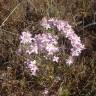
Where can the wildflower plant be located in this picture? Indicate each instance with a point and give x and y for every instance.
(44, 43)
(25, 38)
(68, 32)
(29, 66)
(47, 43)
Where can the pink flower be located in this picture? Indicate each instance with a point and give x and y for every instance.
(55, 59)
(69, 60)
(25, 38)
(51, 49)
(45, 93)
(32, 49)
(32, 66)
(69, 33)
(44, 23)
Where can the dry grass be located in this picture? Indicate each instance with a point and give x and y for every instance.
(19, 15)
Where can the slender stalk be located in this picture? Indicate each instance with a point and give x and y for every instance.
(10, 14)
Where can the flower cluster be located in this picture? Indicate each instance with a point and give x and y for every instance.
(32, 66)
(41, 43)
(47, 42)
(25, 38)
(69, 33)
